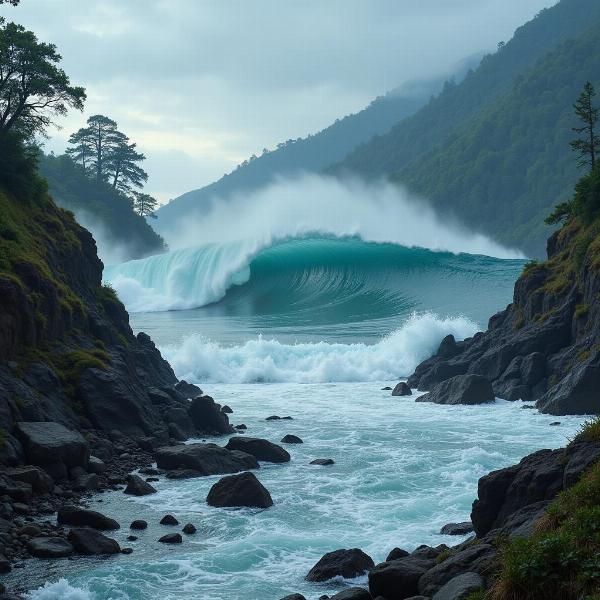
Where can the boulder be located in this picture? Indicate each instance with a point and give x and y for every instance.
(341, 563)
(397, 579)
(183, 474)
(294, 597)
(38, 479)
(81, 517)
(273, 418)
(136, 486)
(239, 490)
(169, 520)
(206, 459)
(402, 389)
(259, 448)
(171, 538)
(324, 462)
(395, 554)
(461, 389)
(189, 529)
(291, 439)
(463, 528)
(476, 558)
(87, 482)
(460, 587)
(49, 547)
(206, 416)
(138, 524)
(46, 442)
(354, 593)
(18, 491)
(227, 410)
(96, 465)
(89, 541)
(188, 390)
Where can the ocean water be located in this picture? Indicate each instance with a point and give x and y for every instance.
(311, 325)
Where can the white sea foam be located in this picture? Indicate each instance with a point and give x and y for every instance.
(267, 360)
(60, 590)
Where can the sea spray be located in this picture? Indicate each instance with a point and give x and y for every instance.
(268, 360)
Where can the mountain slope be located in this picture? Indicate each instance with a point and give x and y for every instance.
(310, 154)
(103, 210)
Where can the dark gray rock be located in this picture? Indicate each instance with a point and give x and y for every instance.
(38, 479)
(48, 442)
(171, 538)
(462, 389)
(96, 465)
(402, 389)
(136, 486)
(341, 563)
(206, 416)
(239, 490)
(188, 390)
(227, 409)
(460, 587)
(397, 579)
(189, 529)
(169, 520)
(49, 547)
(183, 474)
(354, 593)
(294, 597)
(81, 517)
(138, 524)
(207, 459)
(89, 541)
(259, 448)
(291, 439)
(87, 482)
(324, 462)
(463, 528)
(395, 554)
(18, 491)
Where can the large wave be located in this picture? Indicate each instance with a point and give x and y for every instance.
(269, 361)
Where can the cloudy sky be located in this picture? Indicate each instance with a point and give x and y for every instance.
(202, 84)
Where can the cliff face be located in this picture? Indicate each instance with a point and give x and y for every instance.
(67, 352)
(546, 344)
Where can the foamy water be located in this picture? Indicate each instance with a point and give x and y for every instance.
(402, 470)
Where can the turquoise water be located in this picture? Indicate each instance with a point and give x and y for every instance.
(311, 327)
(402, 470)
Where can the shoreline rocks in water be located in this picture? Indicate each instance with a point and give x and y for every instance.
(341, 563)
(402, 389)
(461, 389)
(260, 448)
(243, 490)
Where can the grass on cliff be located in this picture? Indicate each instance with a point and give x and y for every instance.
(561, 561)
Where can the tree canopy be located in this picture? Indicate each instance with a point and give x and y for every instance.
(33, 89)
(588, 146)
(144, 204)
(107, 154)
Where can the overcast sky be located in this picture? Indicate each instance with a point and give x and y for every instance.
(202, 84)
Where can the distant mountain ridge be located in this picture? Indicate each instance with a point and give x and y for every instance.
(313, 153)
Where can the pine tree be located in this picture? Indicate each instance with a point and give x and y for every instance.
(588, 146)
(121, 163)
(144, 204)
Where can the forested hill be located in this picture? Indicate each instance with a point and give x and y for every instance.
(310, 154)
(492, 149)
(105, 211)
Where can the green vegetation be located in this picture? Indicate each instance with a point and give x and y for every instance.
(562, 559)
(494, 149)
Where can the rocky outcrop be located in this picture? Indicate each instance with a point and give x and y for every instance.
(238, 491)
(204, 459)
(259, 448)
(401, 389)
(545, 346)
(207, 416)
(89, 541)
(341, 563)
(461, 389)
(82, 517)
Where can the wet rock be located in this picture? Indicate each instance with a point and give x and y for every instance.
(239, 490)
(460, 587)
(139, 524)
(227, 409)
(169, 520)
(48, 442)
(461, 389)
(397, 579)
(554, 423)
(81, 517)
(149, 471)
(294, 597)
(29, 530)
(131, 538)
(188, 390)
(171, 538)
(136, 486)
(206, 415)
(341, 563)
(324, 462)
(387, 388)
(395, 554)
(39, 480)
(126, 550)
(241, 427)
(49, 547)
(354, 593)
(189, 529)
(457, 528)
(20, 508)
(96, 465)
(273, 418)
(89, 482)
(291, 439)
(207, 459)
(260, 448)
(402, 389)
(18, 491)
(184, 474)
(89, 541)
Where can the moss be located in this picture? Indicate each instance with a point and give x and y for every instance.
(478, 595)
(581, 311)
(531, 267)
(519, 320)
(561, 559)
(442, 556)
